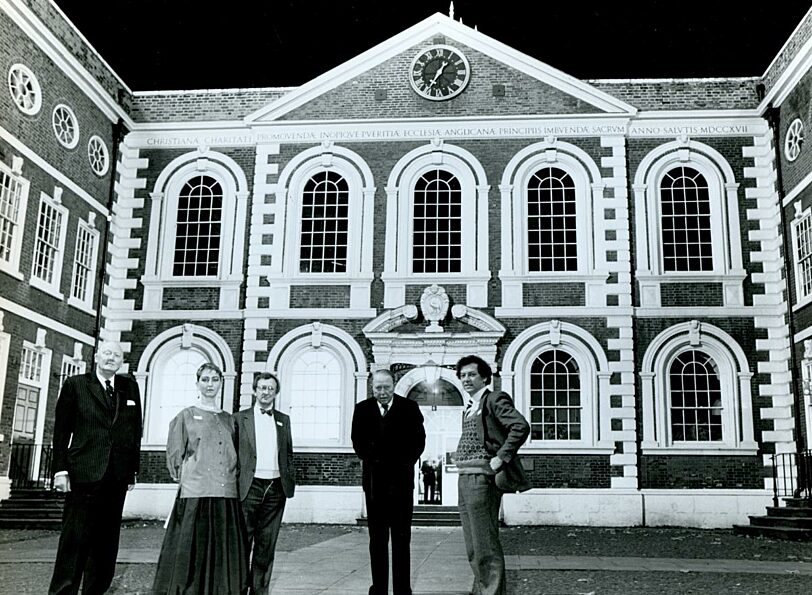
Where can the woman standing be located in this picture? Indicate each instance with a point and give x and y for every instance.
(204, 550)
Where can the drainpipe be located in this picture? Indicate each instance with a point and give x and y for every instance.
(773, 117)
(118, 129)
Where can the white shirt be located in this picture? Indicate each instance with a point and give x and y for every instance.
(102, 379)
(474, 401)
(267, 446)
(389, 405)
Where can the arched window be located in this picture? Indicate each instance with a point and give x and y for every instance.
(552, 243)
(322, 371)
(555, 397)
(167, 377)
(325, 224)
(695, 395)
(685, 211)
(687, 226)
(437, 224)
(198, 228)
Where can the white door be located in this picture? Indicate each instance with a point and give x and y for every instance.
(443, 430)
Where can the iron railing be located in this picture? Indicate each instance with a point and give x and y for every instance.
(31, 466)
(792, 475)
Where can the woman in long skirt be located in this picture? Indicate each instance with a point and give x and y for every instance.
(205, 550)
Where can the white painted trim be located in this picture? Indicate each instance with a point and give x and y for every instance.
(5, 345)
(90, 290)
(53, 288)
(312, 313)
(179, 315)
(28, 22)
(60, 178)
(15, 173)
(438, 24)
(791, 76)
(42, 320)
(800, 187)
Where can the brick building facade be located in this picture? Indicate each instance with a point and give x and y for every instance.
(613, 248)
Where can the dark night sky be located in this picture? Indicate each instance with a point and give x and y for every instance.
(183, 44)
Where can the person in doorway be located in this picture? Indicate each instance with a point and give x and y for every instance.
(205, 549)
(267, 475)
(388, 436)
(429, 479)
(96, 450)
(438, 472)
(492, 432)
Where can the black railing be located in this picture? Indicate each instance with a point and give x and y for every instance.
(792, 475)
(31, 466)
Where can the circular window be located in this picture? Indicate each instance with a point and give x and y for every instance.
(66, 128)
(97, 155)
(794, 140)
(24, 89)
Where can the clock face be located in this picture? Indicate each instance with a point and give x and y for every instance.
(439, 72)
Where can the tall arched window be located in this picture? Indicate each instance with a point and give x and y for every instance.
(685, 212)
(315, 396)
(552, 243)
(695, 397)
(437, 223)
(555, 397)
(198, 228)
(325, 224)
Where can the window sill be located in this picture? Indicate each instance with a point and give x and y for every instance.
(747, 450)
(83, 306)
(11, 271)
(189, 282)
(802, 303)
(44, 287)
(563, 448)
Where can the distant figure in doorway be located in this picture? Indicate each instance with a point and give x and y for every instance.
(97, 442)
(267, 477)
(205, 549)
(492, 432)
(388, 436)
(429, 480)
(438, 472)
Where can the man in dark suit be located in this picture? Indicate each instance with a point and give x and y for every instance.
(267, 477)
(388, 436)
(96, 450)
(492, 432)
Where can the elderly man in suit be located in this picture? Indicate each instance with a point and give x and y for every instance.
(492, 432)
(388, 436)
(267, 476)
(96, 451)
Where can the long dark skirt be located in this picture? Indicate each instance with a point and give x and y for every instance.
(205, 550)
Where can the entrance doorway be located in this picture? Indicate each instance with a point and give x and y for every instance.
(443, 431)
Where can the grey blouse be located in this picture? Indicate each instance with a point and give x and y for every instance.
(200, 453)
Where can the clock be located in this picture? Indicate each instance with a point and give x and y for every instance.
(439, 72)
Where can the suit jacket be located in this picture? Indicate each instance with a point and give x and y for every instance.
(247, 451)
(89, 435)
(502, 430)
(390, 445)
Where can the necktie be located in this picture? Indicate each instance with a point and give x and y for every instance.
(468, 407)
(267, 411)
(385, 407)
(108, 389)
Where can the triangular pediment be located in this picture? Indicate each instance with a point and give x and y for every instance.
(348, 91)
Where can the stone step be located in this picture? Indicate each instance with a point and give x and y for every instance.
(797, 502)
(30, 523)
(37, 494)
(30, 512)
(781, 521)
(795, 511)
(789, 533)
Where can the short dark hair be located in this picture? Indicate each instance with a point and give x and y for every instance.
(209, 366)
(266, 376)
(482, 367)
(387, 372)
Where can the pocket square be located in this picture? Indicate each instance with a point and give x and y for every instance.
(279, 423)
(130, 403)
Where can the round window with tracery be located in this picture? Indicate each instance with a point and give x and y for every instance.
(66, 127)
(97, 155)
(794, 141)
(24, 88)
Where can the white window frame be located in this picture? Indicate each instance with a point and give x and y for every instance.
(163, 218)
(800, 226)
(475, 270)
(89, 229)
(806, 384)
(71, 117)
(734, 377)
(794, 140)
(209, 344)
(98, 156)
(42, 384)
(594, 374)
(35, 87)
(14, 176)
(589, 190)
(72, 365)
(724, 201)
(283, 272)
(353, 367)
(52, 287)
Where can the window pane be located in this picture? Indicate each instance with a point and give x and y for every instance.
(437, 231)
(696, 398)
(685, 221)
(555, 397)
(551, 222)
(197, 233)
(325, 208)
